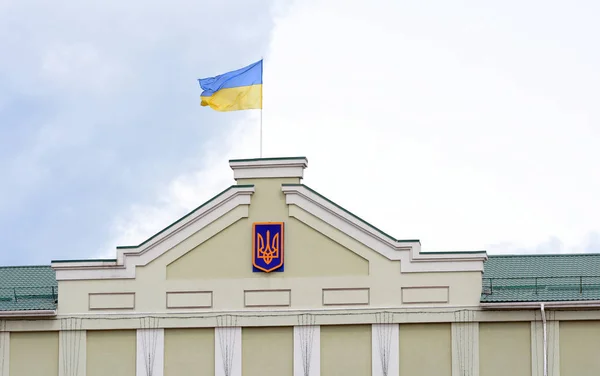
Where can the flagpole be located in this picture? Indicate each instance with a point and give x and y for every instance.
(261, 132)
(261, 106)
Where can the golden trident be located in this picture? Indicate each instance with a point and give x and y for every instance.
(271, 250)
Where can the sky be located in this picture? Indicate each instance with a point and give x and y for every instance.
(467, 125)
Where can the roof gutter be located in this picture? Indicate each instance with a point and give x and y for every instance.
(32, 313)
(536, 305)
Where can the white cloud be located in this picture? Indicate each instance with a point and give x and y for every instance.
(81, 67)
(466, 128)
(187, 191)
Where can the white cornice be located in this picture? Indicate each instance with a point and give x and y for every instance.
(130, 257)
(268, 168)
(408, 252)
(32, 313)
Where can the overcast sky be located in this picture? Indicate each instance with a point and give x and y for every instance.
(467, 125)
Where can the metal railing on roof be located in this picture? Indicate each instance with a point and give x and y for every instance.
(537, 285)
(15, 294)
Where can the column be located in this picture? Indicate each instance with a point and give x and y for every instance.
(537, 346)
(385, 350)
(465, 349)
(307, 350)
(228, 351)
(150, 352)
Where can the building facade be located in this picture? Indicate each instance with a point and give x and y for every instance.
(271, 278)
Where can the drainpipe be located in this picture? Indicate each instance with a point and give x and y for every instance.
(545, 340)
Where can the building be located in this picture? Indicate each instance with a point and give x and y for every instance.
(271, 278)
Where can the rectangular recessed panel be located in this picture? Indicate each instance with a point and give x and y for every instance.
(190, 351)
(32, 353)
(189, 299)
(112, 300)
(356, 296)
(426, 350)
(501, 341)
(277, 341)
(108, 352)
(267, 298)
(425, 294)
(346, 350)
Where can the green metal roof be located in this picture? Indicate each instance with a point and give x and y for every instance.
(26, 288)
(541, 278)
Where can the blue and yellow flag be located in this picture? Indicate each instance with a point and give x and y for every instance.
(232, 91)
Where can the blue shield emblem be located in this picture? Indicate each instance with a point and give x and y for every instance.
(267, 246)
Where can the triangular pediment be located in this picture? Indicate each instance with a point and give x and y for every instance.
(269, 190)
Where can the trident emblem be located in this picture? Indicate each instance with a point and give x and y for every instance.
(268, 246)
(269, 251)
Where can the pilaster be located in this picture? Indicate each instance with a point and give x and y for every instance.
(385, 347)
(465, 348)
(4, 350)
(307, 350)
(150, 352)
(228, 351)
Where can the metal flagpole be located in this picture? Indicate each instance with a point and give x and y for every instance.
(261, 105)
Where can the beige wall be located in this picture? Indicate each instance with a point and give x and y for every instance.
(307, 254)
(34, 353)
(425, 349)
(217, 261)
(505, 349)
(111, 352)
(268, 351)
(190, 351)
(579, 348)
(346, 350)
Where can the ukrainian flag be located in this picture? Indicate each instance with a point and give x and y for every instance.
(236, 90)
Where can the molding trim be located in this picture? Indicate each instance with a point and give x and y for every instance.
(151, 346)
(268, 168)
(125, 304)
(4, 350)
(427, 294)
(188, 303)
(129, 257)
(346, 296)
(32, 313)
(228, 339)
(465, 348)
(385, 342)
(302, 346)
(271, 296)
(408, 252)
(72, 349)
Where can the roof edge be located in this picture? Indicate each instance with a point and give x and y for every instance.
(232, 187)
(547, 304)
(544, 254)
(266, 159)
(82, 260)
(24, 266)
(453, 252)
(353, 215)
